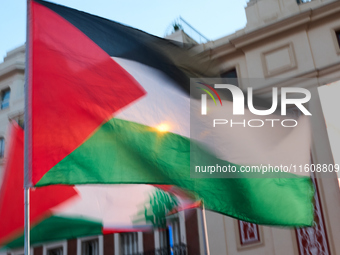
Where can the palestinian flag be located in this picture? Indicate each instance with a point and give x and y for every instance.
(108, 104)
(65, 212)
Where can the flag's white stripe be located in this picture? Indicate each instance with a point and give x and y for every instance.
(113, 205)
(165, 103)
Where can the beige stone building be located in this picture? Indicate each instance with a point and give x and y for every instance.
(283, 41)
(12, 79)
(286, 43)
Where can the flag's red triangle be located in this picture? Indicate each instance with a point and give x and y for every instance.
(74, 87)
(12, 193)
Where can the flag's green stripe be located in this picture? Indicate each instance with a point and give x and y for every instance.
(59, 228)
(127, 152)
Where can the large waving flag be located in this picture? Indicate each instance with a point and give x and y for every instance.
(65, 212)
(108, 105)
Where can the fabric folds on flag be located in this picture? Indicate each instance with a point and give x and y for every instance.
(64, 212)
(109, 105)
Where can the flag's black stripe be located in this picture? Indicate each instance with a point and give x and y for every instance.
(121, 41)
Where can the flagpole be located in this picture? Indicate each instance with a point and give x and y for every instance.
(27, 137)
(205, 230)
(27, 221)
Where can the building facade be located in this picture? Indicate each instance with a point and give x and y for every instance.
(12, 80)
(285, 43)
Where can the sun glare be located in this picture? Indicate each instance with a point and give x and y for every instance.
(163, 127)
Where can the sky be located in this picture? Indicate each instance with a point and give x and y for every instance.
(214, 19)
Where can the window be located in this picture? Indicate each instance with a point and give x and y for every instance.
(174, 233)
(232, 73)
(90, 247)
(2, 147)
(5, 94)
(55, 251)
(337, 33)
(170, 239)
(55, 248)
(164, 240)
(249, 233)
(129, 243)
(230, 76)
(176, 246)
(303, 1)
